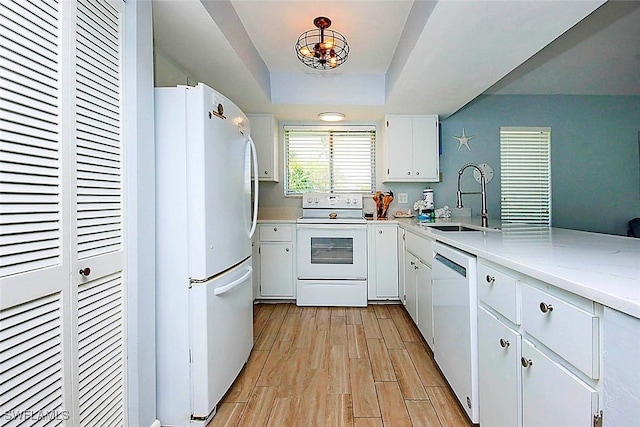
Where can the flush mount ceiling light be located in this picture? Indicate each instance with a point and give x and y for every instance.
(331, 117)
(321, 48)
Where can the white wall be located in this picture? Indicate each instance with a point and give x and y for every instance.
(140, 214)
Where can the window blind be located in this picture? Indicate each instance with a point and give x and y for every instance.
(330, 160)
(525, 163)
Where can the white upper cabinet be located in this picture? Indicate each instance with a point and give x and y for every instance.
(265, 136)
(411, 148)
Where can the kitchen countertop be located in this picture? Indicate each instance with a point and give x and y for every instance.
(603, 268)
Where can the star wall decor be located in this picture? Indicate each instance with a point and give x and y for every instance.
(463, 140)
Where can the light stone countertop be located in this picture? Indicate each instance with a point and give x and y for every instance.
(603, 268)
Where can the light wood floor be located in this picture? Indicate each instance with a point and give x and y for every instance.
(338, 367)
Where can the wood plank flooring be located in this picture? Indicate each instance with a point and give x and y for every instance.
(336, 366)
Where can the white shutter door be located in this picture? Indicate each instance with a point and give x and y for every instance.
(34, 250)
(99, 210)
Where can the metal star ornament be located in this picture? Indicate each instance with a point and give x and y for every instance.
(463, 140)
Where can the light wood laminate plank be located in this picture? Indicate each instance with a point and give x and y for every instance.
(338, 370)
(259, 407)
(275, 364)
(367, 422)
(390, 333)
(284, 412)
(319, 353)
(447, 407)
(380, 362)
(228, 415)
(363, 389)
(338, 330)
(370, 323)
(289, 328)
(422, 413)
(408, 378)
(382, 311)
(406, 328)
(392, 407)
(339, 410)
(323, 318)
(426, 367)
(243, 385)
(353, 316)
(356, 342)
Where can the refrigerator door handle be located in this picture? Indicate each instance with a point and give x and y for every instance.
(254, 158)
(229, 287)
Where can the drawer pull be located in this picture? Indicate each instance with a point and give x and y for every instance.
(504, 343)
(490, 279)
(546, 308)
(85, 272)
(275, 228)
(526, 362)
(379, 231)
(287, 249)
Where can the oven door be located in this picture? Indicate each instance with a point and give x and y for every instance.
(332, 251)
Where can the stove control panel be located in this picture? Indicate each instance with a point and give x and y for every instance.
(331, 200)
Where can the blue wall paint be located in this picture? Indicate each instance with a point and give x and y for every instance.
(595, 166)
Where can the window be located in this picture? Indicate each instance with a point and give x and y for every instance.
(525, 163)
(329, 160)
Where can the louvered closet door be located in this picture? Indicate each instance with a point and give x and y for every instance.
(62, 343)
(34, 248)
(99, 208)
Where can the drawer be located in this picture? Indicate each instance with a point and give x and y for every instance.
(499, 291)
(570, 331)
(419, 246)
(276, 233)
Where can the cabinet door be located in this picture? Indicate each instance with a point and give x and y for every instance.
(263, 133)
(425, 301)
(385, 262)
(499, 349)
(425, 148)
(401, 261)
(551, 395)
(410, 290)
(276, 270)
(399, 148)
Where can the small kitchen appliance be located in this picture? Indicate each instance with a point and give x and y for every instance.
(332, 251)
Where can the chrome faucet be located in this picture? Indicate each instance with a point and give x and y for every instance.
(483, 191)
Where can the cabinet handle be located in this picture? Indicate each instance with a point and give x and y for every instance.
(546, 308)
(275, 228)
(266, 172)
(413, 263)
(85, 271)
(526, 362)
(287, 249)
(417, 173)
(379, 231)
(415, 267)
(408, 173)
(490, 279)
(504, 343)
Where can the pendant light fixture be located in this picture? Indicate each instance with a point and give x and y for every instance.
(321, 48)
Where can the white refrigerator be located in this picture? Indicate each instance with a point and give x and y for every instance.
(204, 223)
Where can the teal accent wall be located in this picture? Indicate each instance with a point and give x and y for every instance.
(595, 159)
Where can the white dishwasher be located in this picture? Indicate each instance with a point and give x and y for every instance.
(455, 323)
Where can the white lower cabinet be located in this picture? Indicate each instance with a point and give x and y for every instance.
(410, 286)
(276, 270)
(499, 350)
(551, 395)
(276, 267)
(544, 372)
(424, 292)
(382, 267)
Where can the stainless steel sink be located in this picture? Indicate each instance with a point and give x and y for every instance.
(453, 228)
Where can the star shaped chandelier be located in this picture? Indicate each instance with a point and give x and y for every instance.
(321, 48)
